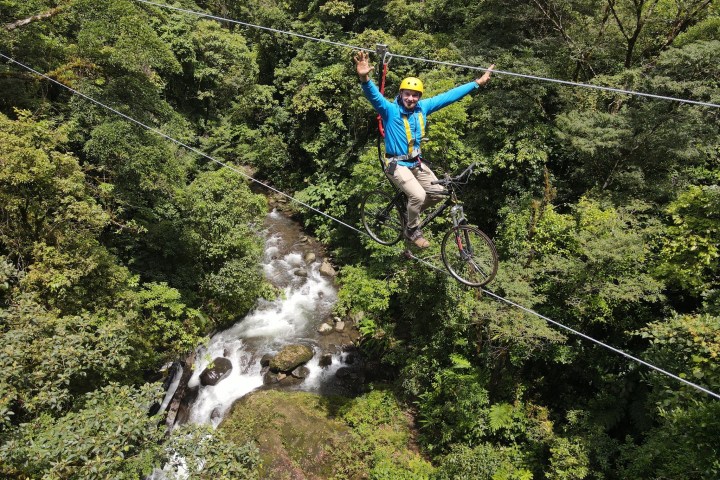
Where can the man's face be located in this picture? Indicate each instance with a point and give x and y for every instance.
(410, 98)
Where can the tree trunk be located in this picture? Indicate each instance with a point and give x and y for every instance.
(41, 16)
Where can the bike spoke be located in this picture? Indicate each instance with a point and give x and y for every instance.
(382, 218)
(469, 255)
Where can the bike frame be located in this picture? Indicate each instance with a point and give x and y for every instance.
(456, 210)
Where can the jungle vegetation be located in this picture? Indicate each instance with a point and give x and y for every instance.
(120, 250)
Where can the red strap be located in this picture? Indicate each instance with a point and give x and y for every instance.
(382, 90)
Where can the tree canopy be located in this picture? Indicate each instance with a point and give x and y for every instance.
(120, 250)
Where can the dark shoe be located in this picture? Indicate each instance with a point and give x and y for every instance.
(415, 236)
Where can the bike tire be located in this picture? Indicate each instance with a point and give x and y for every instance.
(382, 217)
(469, 255)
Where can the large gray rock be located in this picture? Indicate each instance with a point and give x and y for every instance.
(290, 357)
(221, 368)
(327, 269)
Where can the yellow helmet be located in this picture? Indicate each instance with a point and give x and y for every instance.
(412, 83)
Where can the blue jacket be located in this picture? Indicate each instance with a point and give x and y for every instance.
(396, 139)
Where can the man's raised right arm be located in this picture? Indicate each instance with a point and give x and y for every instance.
(370, 90)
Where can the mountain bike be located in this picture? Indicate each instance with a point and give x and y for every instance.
(467, 253)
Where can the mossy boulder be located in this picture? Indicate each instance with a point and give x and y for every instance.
(306, 435)
(291, 357)
(294, 431)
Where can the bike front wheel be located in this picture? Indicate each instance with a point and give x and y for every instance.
(382, 218)
(469, 255)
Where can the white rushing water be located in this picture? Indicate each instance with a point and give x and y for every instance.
(307, 300)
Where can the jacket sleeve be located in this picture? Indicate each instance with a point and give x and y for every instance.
(379, 103)
(437, 102)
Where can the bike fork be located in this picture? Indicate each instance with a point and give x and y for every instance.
(464, 247)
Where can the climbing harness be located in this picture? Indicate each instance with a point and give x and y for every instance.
(413, 158)
(409, 133)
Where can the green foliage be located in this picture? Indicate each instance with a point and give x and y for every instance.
(42, 188)
(690, 246)
(217, 67)
(222, 221)
(337, 8)
(380, 429)
(684, 444)
(117, 35)
(483, 462)
(454, 410)
(361, 293)
(689, 346)
(511, 334)
(165, 325)
(48, 358)
(111, 436)
(208, 454)
(594, 260)
(141, 166)
(568, 460)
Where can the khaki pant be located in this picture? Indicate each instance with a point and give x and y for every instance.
(416, 185)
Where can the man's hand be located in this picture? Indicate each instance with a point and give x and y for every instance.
(486, 77)
(362, 64)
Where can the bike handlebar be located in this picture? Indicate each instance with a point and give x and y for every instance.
(457, 179)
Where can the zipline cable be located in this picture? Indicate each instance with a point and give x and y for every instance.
(580, 334)
(330, 217)
(437, 62)
(562, 82)
(178, 142)
(251, 25)
(598, 342)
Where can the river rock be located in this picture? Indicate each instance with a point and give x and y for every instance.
(350, 375)
(216, 415)
(301, 372)
(309, 257)
(327, 269)
(221, 368)
(301, 272)
(325, 329)
(291, 356)
(265, 360)
(270, 378)
(339, 326)
(325, 360)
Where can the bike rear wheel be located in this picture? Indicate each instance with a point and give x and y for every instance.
(469, 255)
(382, 217)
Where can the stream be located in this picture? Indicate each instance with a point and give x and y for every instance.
(292, 263)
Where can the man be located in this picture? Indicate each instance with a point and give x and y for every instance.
(404, 121)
